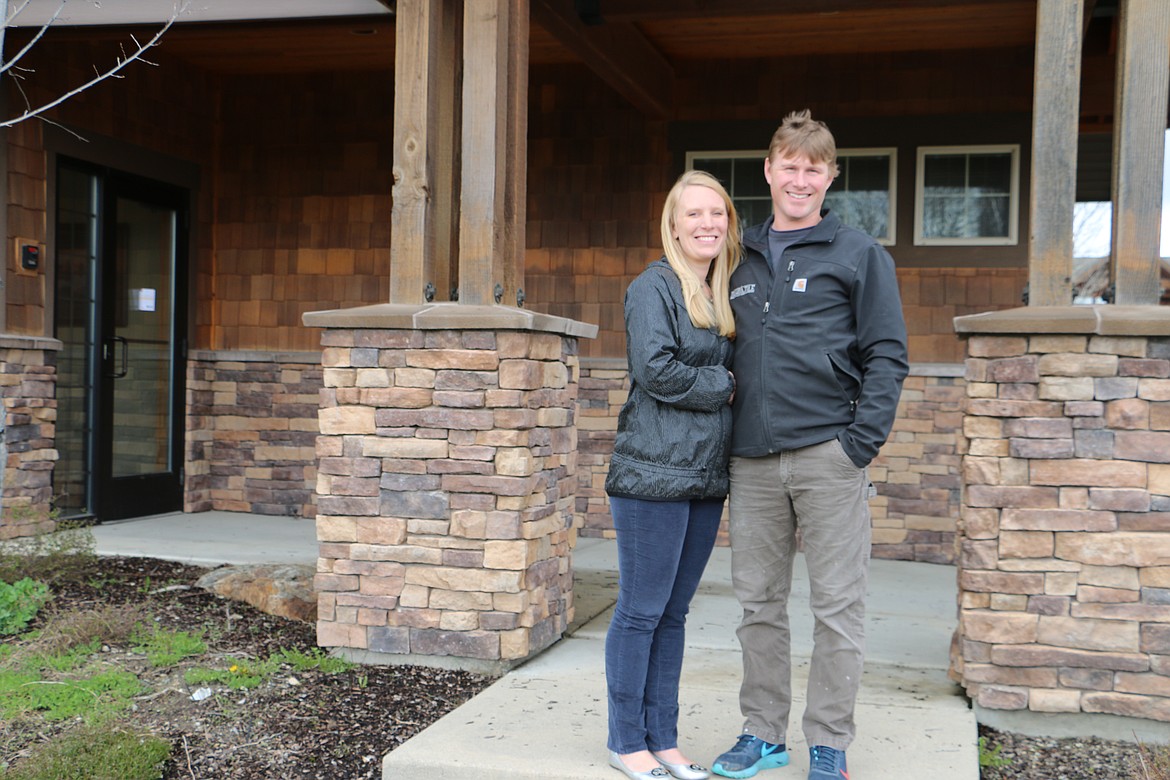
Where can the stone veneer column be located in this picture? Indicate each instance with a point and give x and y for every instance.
(1064, 570)
(28, 421)
(446, 482)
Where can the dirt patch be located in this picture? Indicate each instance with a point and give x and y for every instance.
(307, 724)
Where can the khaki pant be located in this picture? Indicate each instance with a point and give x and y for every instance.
(820, 491)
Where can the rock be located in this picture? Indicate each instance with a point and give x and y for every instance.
(284, 589)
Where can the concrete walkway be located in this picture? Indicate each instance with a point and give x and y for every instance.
(547, 718)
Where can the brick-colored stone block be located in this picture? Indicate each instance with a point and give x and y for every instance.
(996, 697)
(1083, 634)
(1066, 388)
(1128, 705)
(1116, 549)
(1093, 473)
(1000, 628)
(344, 420)
(1054, 700)
(1057, 520)
(1144, 446)
(1080, 364)
(1026, 544)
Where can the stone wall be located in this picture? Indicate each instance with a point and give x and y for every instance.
(251, 432)
(27, 429)
(916, 473)
(446, 487)
(1065, 527)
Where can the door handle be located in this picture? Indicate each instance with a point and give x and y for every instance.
(124, 369)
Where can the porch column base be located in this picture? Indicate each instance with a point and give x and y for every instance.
(1064, 565)
(28, 424)
(446, 482)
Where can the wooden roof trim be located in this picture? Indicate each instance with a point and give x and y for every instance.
(632, 10)
(616, 51)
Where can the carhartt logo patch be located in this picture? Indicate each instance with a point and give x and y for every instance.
(746, 289)
(799, 285)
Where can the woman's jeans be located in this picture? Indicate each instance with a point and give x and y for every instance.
(663, 547)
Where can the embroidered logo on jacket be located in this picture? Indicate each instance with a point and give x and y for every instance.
(745, 289)
(799, 285)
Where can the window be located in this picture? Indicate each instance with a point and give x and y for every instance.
(862, 195)
(967, 195)
(742, 173)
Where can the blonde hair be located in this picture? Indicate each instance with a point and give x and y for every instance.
(704, 313)
(800, 134)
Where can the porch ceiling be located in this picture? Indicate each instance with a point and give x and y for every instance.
(359, 34)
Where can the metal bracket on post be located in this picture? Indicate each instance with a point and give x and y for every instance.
(429, 292)
(454, 294)
(499, 292)
(520, 298)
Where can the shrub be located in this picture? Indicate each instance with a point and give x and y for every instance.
(19, 603)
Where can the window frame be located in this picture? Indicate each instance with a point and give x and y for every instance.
(890, 152)
(1012, 238)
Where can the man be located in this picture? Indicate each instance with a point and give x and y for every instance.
(819, 361)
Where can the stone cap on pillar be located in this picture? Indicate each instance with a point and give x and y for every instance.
(18, 341)
(447, 316)
(1097, 319)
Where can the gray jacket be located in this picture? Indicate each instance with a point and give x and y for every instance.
(820, 346)
(674, 431)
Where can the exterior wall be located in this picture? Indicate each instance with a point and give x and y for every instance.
(445, 496)
(27, 427)
(916, 473)
(1065, 526)
(594, 206)
(302, 207)
(251, 432)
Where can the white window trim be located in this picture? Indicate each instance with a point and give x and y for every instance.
(762, 154)
(1012, 237)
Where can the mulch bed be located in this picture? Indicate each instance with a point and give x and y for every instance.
(295, 725)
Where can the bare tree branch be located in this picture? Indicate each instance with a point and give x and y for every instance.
(113, 72)
(40, 33)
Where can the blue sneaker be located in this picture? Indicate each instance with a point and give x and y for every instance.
(750, 755)
(826, 763)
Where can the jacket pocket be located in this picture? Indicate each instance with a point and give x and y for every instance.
(639, 478)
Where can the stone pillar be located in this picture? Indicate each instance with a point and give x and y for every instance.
(28, 420)
(1064, 570)
(446, 482)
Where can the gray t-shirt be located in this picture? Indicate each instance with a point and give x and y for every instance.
(779, 240)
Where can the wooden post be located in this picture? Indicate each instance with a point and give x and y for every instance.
(426, 126)
(1139, 127)
(1055, 115)
(494, 164)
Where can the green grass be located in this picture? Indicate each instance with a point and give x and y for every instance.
(86, 697)
(990, 757)
(243, 673)
(95, 752)
(166, 648)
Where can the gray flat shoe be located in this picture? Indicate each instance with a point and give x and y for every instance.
(684, 771)
(657, 773)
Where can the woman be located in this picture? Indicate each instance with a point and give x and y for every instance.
(668, 475)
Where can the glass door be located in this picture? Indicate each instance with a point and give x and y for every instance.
(125, 353)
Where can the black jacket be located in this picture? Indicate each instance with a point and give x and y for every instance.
(821, 347)
(674, 431)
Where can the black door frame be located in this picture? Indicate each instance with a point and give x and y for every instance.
(113, 498)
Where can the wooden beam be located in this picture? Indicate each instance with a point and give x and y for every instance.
(424, 211)
(617, 51)
(494, 164)
(1055, 117)
(1143, 83)
(634, 10)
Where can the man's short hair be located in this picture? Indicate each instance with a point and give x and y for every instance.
(800, 134)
